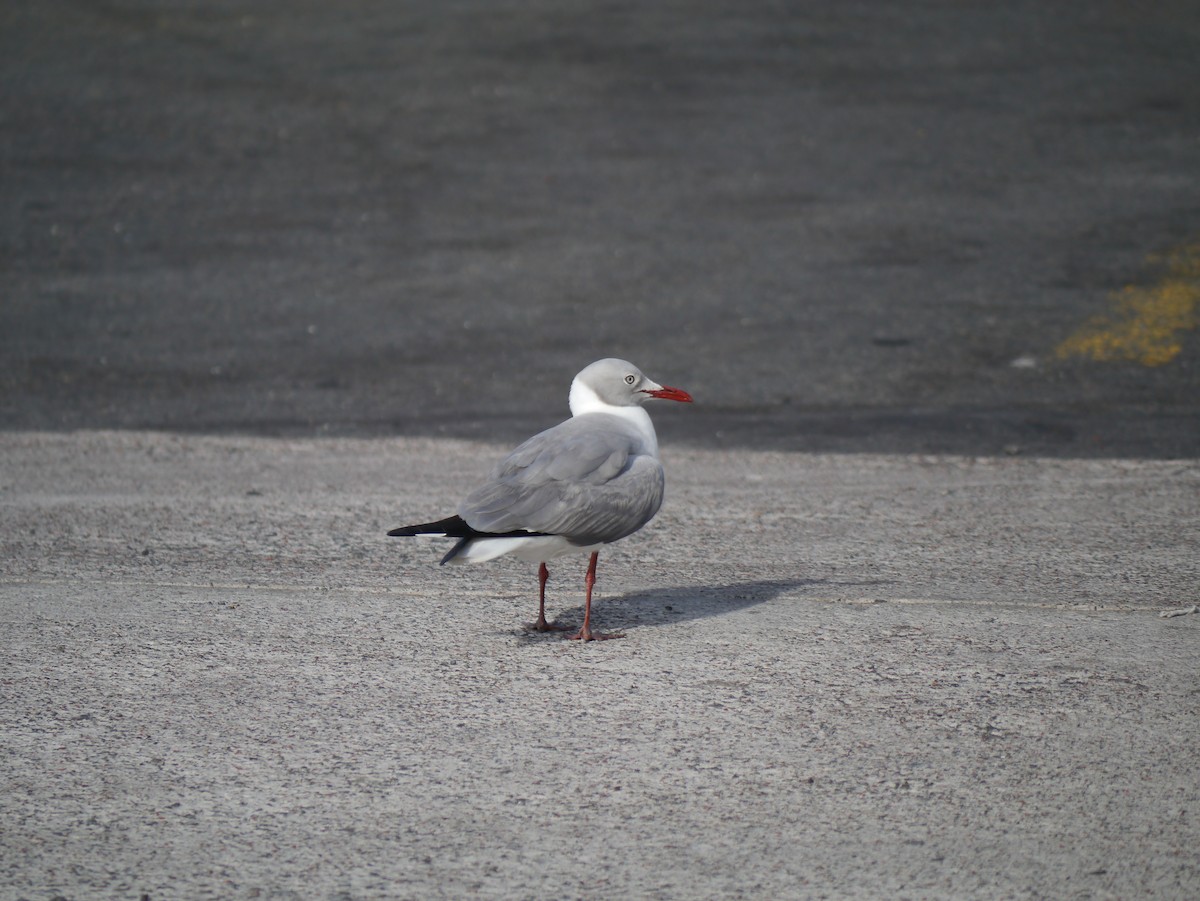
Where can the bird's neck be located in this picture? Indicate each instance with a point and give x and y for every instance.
(584, 400)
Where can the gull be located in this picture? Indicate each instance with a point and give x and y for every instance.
(587, 482)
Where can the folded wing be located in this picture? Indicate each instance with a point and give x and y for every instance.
(588, 479)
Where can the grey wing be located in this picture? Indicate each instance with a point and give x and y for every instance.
(590, 485)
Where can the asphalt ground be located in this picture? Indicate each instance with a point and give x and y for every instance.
(842, 676)
(853, 226)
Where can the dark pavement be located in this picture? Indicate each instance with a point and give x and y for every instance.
(964, 235)
(851, 226)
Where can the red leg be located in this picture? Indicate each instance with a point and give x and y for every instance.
(586, 633)
(541, 625)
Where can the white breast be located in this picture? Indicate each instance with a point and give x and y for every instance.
(584, 400)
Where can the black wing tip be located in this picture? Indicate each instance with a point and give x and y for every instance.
(456, 527)
(453, 552)
(453, 526)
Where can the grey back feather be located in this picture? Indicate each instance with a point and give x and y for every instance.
(587, 479)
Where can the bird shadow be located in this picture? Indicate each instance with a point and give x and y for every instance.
(663, 606)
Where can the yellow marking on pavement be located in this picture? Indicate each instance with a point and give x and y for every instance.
(1146, 322)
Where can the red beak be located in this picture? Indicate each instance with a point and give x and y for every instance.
(668, 393)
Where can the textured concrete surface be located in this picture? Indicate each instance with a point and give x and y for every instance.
(844, 676)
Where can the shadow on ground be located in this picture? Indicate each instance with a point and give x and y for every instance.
(665, 606)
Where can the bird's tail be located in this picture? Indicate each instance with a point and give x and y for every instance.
(456, 527)
(451, 527)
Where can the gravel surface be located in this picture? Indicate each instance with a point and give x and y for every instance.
(903, 677)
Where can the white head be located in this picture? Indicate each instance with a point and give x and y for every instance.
(616, 383)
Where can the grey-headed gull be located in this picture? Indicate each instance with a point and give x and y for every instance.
(585, 483)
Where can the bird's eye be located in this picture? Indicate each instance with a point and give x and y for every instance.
(630, 379)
